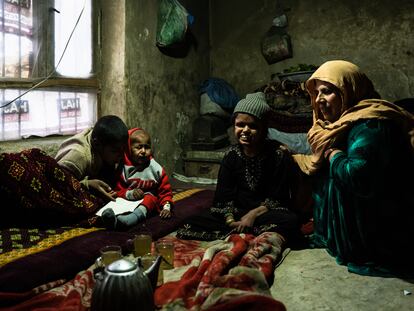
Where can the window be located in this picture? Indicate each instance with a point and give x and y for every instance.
(78, 60)
(35, 50)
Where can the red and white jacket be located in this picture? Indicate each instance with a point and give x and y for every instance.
(152, 180)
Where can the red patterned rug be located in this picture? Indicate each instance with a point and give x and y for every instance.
(231, 274)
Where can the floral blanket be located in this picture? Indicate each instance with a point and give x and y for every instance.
(34, 187)
(230, 274)
(71, 295)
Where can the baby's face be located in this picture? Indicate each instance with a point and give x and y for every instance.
(140, 148)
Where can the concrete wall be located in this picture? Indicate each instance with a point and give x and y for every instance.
(149, 89)
(49, 145)
(374, 34)
(111, 57)
(157, 92)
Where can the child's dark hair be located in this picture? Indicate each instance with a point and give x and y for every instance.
(265, 120)
(110, 130)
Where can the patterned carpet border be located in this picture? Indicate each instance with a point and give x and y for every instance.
(56, 239)
(47, 243)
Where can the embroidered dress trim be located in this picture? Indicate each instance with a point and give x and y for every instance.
(253, 167)
(187, 233)
(264, 228)
(274, 205)
(224, 208)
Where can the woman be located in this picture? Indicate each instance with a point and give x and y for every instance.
(362, 161)
(252, 193)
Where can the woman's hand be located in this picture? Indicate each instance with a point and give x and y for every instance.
(329, 153)
(103, 188)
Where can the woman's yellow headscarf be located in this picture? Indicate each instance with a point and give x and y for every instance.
(358, 102)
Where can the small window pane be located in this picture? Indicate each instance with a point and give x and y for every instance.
(43, 113)
(77, 60)
(16, 42)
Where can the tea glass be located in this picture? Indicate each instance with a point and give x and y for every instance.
(165, 249)
(148, 260)
(109, 254)
(142, 245)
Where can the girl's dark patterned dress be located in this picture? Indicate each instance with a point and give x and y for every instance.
(245, 183)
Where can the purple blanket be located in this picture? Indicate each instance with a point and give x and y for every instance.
(64, 260)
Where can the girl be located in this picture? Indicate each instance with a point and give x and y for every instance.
(252, 193)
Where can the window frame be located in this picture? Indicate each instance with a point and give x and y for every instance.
(46, 56)
(46, 59)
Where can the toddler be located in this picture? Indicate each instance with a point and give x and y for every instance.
(141, 178)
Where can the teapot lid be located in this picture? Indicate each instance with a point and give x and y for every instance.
(122, 265)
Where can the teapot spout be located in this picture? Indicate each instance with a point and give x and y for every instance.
(152, 272)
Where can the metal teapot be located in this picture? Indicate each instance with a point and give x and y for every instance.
(123, 285)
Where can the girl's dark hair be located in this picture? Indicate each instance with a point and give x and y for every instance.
(264, 121)
(109, 130)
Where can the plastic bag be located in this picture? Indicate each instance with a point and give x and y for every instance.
(207, 106)
(173, 20)
(220, 92)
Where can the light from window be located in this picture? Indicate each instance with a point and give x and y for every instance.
(23, 48)
(77, 60)
(16, 31)
(42, 113)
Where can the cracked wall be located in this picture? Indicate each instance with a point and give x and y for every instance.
(157, 92)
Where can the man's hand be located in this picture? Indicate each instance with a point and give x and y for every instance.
(138, 194)
(103, 188)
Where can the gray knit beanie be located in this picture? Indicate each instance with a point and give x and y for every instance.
(254, 104)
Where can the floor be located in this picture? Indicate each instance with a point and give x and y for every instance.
(310, 279)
